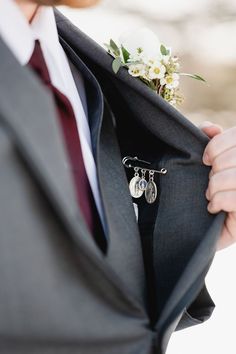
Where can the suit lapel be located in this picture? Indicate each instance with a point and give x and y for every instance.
(31, 119)
(94, 105)
(94, 95)
(124, 249)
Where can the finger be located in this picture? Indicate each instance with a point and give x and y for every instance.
(224, 161)
(218, 145)
(221, 181)
(225, 200)
(210, 129)
(227, 237)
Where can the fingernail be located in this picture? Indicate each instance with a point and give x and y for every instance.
(210, 208)
(206, 159)
(207, 194)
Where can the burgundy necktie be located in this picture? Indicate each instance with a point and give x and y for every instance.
(72, 141)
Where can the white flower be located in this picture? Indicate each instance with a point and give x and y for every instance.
(157, 71)
(143, 39)
(171, 81)
(137, 70)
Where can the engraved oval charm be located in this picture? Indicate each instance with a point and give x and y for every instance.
(134, 187)
(142, 184)
(151, 192)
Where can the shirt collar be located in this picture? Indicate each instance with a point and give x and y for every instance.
(20, 36)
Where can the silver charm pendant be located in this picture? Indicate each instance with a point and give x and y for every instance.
(143, 183)
(151, 190)
(134, 185)
(139, 185)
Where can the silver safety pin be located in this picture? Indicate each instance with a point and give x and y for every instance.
(127, 164)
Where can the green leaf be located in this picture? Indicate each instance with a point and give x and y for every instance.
(115, 47)
(126, 54)
(110, 49)
(164, 50)
(116, 65)
(198, 77)
(194, 76)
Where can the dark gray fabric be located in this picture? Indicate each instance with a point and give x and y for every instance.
(123, 234)
(59, 293)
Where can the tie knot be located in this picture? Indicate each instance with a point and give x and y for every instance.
(38, 63)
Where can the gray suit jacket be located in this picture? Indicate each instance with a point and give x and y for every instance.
(59, 292)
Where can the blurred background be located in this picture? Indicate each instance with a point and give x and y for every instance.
(202, 33)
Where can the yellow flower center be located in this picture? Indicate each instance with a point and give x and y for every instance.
(169, 79)
(157, 71)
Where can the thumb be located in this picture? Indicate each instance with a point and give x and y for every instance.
(210, 129)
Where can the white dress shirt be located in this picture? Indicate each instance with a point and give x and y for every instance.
(20, 37)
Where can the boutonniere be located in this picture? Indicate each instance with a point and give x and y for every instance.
(152, 62)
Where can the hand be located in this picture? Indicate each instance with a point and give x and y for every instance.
(220, 153)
